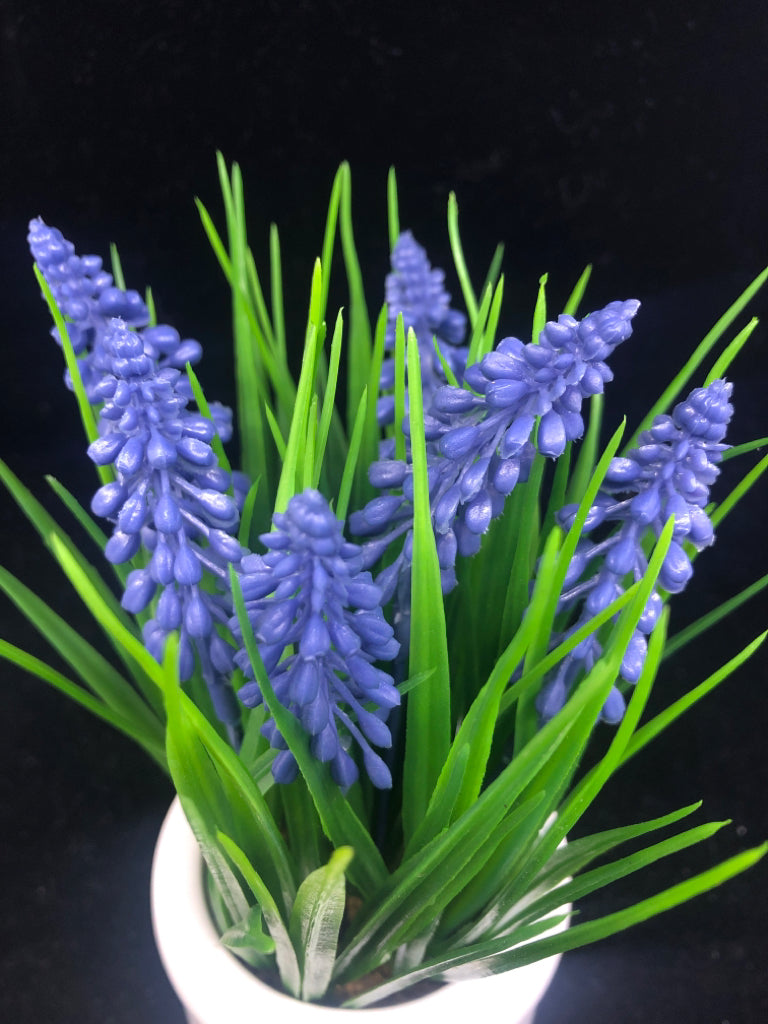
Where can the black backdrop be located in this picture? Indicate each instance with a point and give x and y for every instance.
(633, 136)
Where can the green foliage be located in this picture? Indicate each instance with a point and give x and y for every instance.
(427, 734)
(466, 859)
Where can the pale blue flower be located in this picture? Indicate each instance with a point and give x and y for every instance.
(318, 621)
(669, 473)
(89, 300)
(415, 289)
(481, 440)
(169, 498)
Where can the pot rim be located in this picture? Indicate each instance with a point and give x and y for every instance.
(215, 987)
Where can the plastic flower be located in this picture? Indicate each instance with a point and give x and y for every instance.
(169, 497)
(481, 442)
(318, 621)
(416, 290)
(85, 294)
(89, 299)
(669, 474)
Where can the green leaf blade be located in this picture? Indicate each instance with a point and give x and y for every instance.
(428, 710)
(315, 922)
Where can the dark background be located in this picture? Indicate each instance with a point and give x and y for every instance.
(633, 136)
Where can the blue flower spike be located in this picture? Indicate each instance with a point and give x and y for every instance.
(85, 294)
(481, 437)
(669, 473)
(416, 289)
(89, 300)
(318, 621)
(169, 498)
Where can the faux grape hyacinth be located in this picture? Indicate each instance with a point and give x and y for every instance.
(169, 497)
(669, 473)
(481, 436)
(308, 594)
(371, 703)
(88, 297)
(414, 289)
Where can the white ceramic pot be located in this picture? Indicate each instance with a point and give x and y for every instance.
(216, 988)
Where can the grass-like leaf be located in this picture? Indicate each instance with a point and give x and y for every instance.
(104, 615)
(477, 730)
(149, 299)
(202, 405)
(274, 428)
(739, 491)
(117, 266)
(540, 311)
(428, 710)
(458, 259)
(329, 238)
(555, 776)
(209, 773)
(525, 552)
(568, 548)
(569, 860)
(573, 302)
(95, 671)
(276, 281)
(393, 215)
(83, 405)
(326, 413)
(599, 878)
(496, 959)
(491, 326)
(742, 449)
(444, 801)
(518, 779)
(190, 769)
(150, 739)
(359, 346)
(285, 954)
(372, 432)
(423, 882)
(450, 376)
(656, 725)
(289, 482)
(250, 345)
(352, 459)
(477, 337)
(89, 525)
(400, 387)
(730, 352)
(315, 921)
(248, 939)
(580, 798)
(556, 655)
(494, 268)
(55, 539)
(247, 515)
(707, 622)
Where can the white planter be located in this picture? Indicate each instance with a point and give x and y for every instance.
(216, 988)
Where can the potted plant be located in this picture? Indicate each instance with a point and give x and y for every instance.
(391, 659)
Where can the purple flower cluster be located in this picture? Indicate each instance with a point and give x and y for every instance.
(89, 299)
(482, 437)
(668, 474)
(319, 625)
(169, 498)
(85, 294)
(416, 290)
